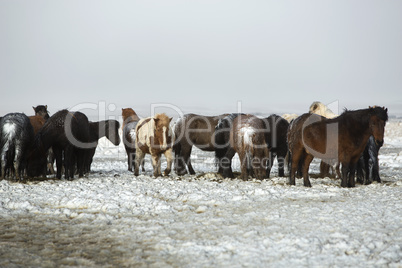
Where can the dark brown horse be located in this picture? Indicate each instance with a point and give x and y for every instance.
(339, 140)
(276, 129)
(130, 121)
(68, 134)
(224, 152)
(247, 137)
(41, 110)
(193, 130)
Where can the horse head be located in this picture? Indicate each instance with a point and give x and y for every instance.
(112, 131)
(163, 132)
(41, 110)
(129, 115)
(378, 118)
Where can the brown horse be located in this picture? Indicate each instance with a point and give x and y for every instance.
(130, 120)
(37, 122)
(247, 137)
(339, 140)
(154, 136)
(193, 130)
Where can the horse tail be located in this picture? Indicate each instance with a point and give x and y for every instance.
(248, 139)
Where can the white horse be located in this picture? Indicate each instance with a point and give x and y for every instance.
(154, 136)
(320, 109)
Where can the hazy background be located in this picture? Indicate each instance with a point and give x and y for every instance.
(201, 56)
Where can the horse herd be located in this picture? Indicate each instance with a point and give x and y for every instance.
(348, 144)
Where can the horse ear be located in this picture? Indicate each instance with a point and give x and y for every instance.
(33, 108)
(170, 119)
(46, 107)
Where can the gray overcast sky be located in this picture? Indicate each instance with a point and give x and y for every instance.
(273, 56)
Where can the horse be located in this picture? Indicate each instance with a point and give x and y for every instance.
(97, 130)
(154, 136)
(321, 109)
(247, 138)
(193, 130)
(276, 129)
(224, 152)
(367, 169)
(37, 122)
(338, 140)
(41, 110)
(68, 134)
(130, 121)
(16, 137)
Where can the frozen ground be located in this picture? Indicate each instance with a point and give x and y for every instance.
(115, 219)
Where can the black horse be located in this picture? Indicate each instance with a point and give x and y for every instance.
(367, 169)
(68, 135)
(16, 137)
(97, 130)
(276, 139)
(224, 152)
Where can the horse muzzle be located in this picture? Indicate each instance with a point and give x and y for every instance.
(379, 142)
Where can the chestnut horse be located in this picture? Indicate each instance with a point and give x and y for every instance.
(339, 140)
(154, 136)
(193, 130)
(247, 137)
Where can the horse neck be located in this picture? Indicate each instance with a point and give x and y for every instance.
(360, 131)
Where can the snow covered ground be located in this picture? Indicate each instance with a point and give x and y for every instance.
(114, 219)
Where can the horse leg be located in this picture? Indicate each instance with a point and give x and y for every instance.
(130, 159)
(139, 156)
(57, 152)
(169, 158)
(345, 174)
(186, 154)
(80, 162)
(156, 164)
(294, 165)
(271, 163)
(226, 163)
(281, 164)
(17, 161)
(351, 181)
(243, 166)
(306, 164)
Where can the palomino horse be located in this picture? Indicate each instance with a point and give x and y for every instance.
(154, 136)
(16, 137)
(247, 137)
(338, 140)
(130, 121)
(193, 130)
(97, 130)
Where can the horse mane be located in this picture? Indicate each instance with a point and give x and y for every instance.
(362, 115)
(129, 116)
